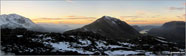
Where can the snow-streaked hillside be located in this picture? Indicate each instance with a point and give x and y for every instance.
(25, 42)
(15, 21)
(111, 27)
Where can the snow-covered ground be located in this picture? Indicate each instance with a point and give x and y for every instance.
(65, 46)
(101, 45)
(69, 46)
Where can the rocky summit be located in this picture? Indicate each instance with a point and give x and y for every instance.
(110, 27)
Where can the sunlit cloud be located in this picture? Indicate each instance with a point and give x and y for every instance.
(155, 16)
(66, 19)
(130, 17)
(180, 17)
(144, 22)
(79, 17)
(48, 19)
(136, 20)
(176, 8)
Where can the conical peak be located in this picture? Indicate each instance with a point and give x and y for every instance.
(108, 18)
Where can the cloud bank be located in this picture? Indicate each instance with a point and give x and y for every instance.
(59, 28)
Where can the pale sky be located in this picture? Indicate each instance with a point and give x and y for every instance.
(85, 12)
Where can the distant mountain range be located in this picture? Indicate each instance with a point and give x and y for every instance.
(137, 27)
(173, 31)
(146, 27)
(110, 27)
(105, 36)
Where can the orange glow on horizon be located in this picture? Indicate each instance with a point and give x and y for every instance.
(88, 21)
(64, 21)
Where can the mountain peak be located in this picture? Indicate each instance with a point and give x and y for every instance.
(15, 21)
(12, 16)
(111, 27)
(108, 18)
(174, 24)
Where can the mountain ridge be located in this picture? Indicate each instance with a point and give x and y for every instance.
(111, 27)
(172, 31)
(13, 21)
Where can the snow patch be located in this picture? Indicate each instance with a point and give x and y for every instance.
(47, 38)
(162, 41)
(114, 46)
(121, 52)
(148, 53)
(85, 29)
(128, 44)
(19, 36)
(100, 44)
(161, 37)
(86, 42)
(113, 22)
(65, 46)
(72, 36)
